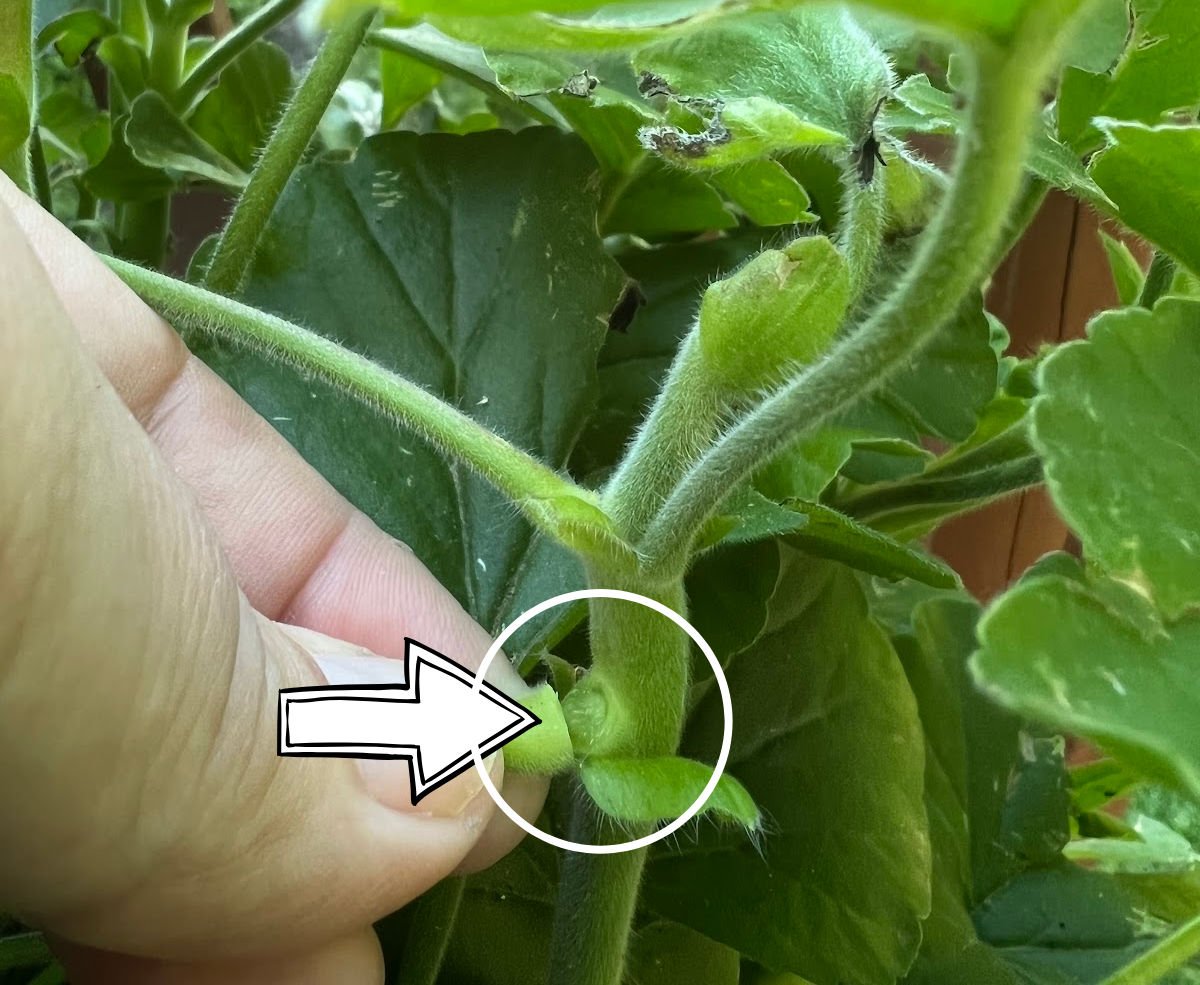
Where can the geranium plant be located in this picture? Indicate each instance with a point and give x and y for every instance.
(685, 298)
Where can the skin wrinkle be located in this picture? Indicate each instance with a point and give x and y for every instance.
(326, 860)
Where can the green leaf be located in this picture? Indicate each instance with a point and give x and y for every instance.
(502, 933)
(766, 192)
(784, 79)
(509, 271)
(633, 361)
(840, 886)
(1118, 427)
(922, 108)
(1156, 75)
(1062, 652)
(731, 612)
(403, 83)
(642, 791)
(121, 177)
(942, 392)
(74, 32)
(128, 62)
(73, 130)
(24, 951)
(1127, 272)
(837, 537)
(16, 88)
(666, 953)
(1098, 39)
(14, 116)
(663, 201)
(1166, 210)
(235, 117)
(158, 138)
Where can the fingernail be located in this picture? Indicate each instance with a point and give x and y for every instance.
(389, 781)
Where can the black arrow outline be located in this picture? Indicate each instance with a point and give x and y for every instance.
(408, 693)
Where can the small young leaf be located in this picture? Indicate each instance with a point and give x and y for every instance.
(766, 192)
(545, 749)
(643, 791)
(74, 32)
(1128, 275)
(158, 138)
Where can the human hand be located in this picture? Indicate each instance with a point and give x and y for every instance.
(160, 546)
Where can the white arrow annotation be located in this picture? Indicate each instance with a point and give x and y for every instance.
(435, 719)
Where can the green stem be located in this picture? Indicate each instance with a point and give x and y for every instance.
(168, 44)
(863, 222)
(433, 919)
(558, 506)
(282, 154)
(144, 231)
(632, 701)
(597, 896)
(1158, 280)
(684, 421)
(952, 256)
(1167, 955)
(222, 54)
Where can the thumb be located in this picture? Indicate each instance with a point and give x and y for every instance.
(146, 810)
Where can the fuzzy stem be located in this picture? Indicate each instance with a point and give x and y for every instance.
(683, 422)
(282, 154)
(554, 503)
(593, 914)
(222, 54)
(1167, 955)
(1158, 280)
(168, 43)
(433, 919)
(863, 221)
(952, 257)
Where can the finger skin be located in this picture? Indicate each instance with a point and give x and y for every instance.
(145, 808)
(300, 552)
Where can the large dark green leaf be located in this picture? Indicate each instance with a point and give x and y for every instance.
(827, 741)
(471, 265)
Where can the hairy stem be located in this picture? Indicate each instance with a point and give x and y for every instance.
(1158, 280)
(282, 154)
(39, 176)
(863, 223)
(433, 919)
(597, 896)
(952, 256)
(553, 502)
(1172, 952)
(683, 422)
(222, 54)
